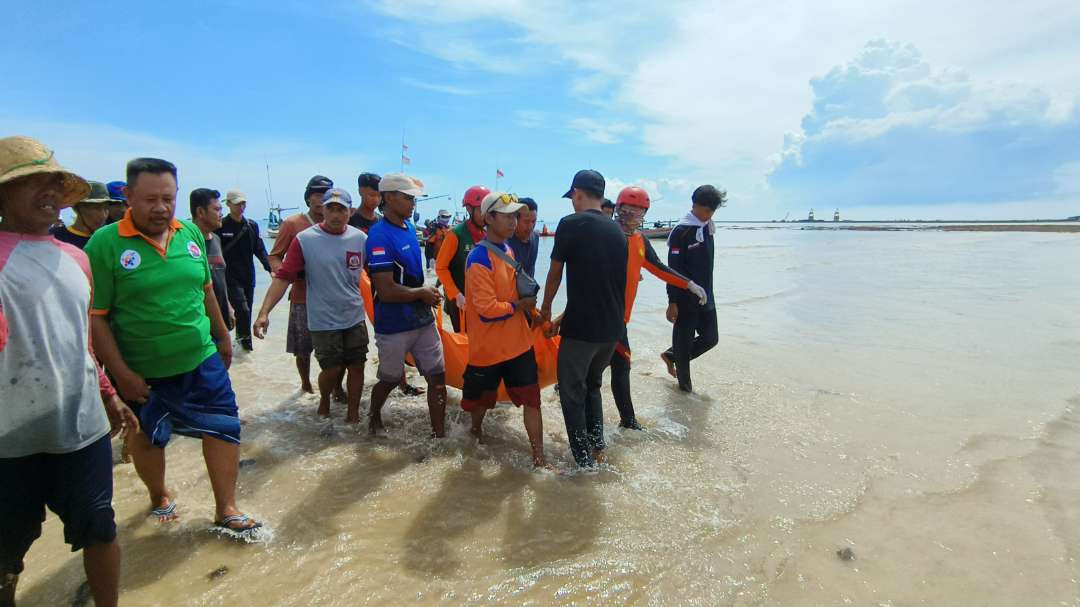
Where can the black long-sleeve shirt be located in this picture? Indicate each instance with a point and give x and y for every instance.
(240, 241)
(693, 259)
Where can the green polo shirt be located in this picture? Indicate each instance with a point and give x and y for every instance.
(153, 298)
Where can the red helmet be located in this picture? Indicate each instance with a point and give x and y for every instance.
(474, 196)
(634, 196)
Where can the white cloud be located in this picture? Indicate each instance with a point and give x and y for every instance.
(600, 132)
(531, 119)
(888, 129)
(717, 86)
(448, 89)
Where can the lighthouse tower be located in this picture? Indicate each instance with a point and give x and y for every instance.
(811, 216)
(836, 215)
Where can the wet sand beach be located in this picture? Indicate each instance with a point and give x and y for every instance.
(909, 399)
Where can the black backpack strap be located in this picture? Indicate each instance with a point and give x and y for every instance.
(235, 239)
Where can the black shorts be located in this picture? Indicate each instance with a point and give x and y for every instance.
(77, 486)
(519, 374)
(340, 348)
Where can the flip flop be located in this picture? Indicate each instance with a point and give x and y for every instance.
(226, 523)
(408, 390)
(165, 513)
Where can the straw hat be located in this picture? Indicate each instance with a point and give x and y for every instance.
(22, 156)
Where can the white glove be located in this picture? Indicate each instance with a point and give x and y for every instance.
(460, 301)
(696, 289)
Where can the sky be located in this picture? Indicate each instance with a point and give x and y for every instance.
(885, 110)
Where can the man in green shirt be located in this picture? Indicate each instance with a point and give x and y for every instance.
(153, 314)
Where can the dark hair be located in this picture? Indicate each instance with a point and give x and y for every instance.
(200, 199)
(607, 204)
(528, 202)
(155, 166)
(710, 197)
(370, 180)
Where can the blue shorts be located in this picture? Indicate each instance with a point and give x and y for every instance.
(77, 486)
(198, 403)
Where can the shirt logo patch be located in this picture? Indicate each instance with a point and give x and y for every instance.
(675, 251)
(378, 251)
(352, 260)
(194, 249)
(129, 259)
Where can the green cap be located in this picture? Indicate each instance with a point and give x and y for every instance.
(99, 193)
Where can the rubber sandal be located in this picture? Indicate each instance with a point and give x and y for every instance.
(165, 513)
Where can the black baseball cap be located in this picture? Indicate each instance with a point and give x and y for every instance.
(607, 204)
(588, 180)
(319, 183)
(707, 196)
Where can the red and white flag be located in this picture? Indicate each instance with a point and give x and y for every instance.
(499, 173)
(405, 159)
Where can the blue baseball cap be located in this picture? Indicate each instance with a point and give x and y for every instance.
(337, 196)
(116, 190)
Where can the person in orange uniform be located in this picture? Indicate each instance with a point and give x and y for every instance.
(437, 234)
(630, 208)
(500, 338)
(459, 241)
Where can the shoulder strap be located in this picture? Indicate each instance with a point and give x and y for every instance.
(232, 241)
(501, 254)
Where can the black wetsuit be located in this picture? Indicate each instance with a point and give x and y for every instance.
(240, 241)
(695, 331)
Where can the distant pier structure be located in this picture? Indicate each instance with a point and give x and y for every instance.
(810, 217)
(836, 215)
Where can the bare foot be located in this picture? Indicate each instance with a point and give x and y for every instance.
(324, 408)
(376, 428)
(306, 387)
(478, 435)
(670, 364)
(599, 457)
(352, 419)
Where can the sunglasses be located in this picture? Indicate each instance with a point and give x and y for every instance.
(631, 211)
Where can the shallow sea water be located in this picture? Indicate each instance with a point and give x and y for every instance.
(912, 396)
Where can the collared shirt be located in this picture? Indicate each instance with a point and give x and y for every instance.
(153, 295)
(526, 252)
(70, 235)
(52, 386)
(497, 330)
(395, 249)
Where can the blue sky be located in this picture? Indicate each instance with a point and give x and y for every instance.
(893, 110)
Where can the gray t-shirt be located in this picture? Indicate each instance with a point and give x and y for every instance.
(50, 395)
(217, 274)
(331, 264)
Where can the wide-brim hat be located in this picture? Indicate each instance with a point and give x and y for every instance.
(24, 156)
(99, 194)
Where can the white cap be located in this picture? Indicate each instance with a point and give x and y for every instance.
(500, 202)
(400, 182)
(235, 196)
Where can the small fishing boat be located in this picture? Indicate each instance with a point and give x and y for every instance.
(659, 229)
